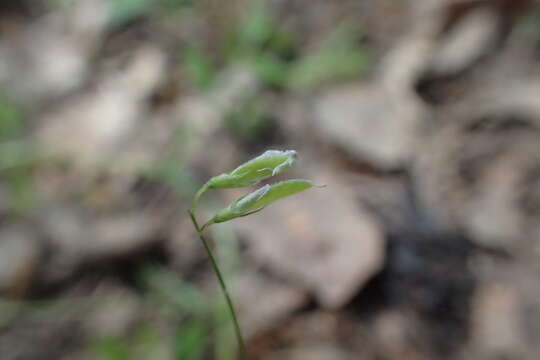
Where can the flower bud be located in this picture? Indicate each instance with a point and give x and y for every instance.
(270, 163)
(257, 200)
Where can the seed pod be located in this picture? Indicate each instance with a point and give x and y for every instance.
(257, 200)
(270, 163)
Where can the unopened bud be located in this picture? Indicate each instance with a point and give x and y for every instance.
(257, 200)
(270, 163)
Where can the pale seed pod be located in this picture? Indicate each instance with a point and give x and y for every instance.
(270, 163)
(259, 199)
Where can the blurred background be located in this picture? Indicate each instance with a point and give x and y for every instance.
(421, 117)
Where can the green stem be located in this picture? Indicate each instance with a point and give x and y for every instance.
(196, 198)
(240, 339)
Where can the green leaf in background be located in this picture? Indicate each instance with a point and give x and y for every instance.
(198, 66)
(10, 119)
(145, 343)
(257, 28)
(259, 39)
(123, 11)
(168, 289)
(16, 157)
(270, 69)
(270, 163)
(260, 198)
(112, 349)
(339, 57)
(190, 341)
(177, 3)
(13, 151)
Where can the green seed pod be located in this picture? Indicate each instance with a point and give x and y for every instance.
(270, 163)
(257, 200)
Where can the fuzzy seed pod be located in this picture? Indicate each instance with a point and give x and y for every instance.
(257, 200)
(270, 163)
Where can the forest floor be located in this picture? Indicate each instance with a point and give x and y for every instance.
(422, 118)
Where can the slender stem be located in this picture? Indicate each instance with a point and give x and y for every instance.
(206, 225)
(241, 345)
(196, 198)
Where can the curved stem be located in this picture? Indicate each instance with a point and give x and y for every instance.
(196, 198)
(206, 225)
(241, 345)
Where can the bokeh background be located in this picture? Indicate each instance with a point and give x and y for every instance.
(421, 117)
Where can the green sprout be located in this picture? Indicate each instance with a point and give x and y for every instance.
(269, 164)
(259, 199)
